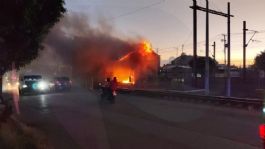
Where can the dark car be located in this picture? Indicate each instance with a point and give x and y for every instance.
(62, 84)
(32, 84)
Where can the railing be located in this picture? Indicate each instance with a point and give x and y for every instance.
(247, 103)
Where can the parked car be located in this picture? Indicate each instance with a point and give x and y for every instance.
(62, 84)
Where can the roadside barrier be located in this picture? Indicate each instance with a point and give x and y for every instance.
(189, 96)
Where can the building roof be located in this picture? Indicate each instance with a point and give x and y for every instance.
(182, 60)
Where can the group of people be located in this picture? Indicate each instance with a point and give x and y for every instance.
(109, 88)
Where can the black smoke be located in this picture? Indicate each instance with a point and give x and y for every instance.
(74, 43)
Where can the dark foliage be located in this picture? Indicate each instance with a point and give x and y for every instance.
(23, 26)
(260, 61)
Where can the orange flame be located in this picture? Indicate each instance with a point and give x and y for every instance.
(133, 65)
(147, 47)
(124, 75)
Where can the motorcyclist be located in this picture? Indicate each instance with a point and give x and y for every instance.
(112, 90)
(106, 88)
(114, 84)
(109, 89)
(106, 84)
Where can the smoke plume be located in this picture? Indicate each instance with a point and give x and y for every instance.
(75, 47)
(88, 49)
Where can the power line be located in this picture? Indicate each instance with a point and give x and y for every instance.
(216, 7)
(137, 10)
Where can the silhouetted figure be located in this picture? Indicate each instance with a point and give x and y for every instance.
(105, 87)
(114, 84)
(113, 87)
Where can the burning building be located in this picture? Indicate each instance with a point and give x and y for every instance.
(140, 64)
(95, 53)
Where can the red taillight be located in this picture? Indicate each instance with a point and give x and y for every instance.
(262, 131)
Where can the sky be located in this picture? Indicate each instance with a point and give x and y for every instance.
(168, 24)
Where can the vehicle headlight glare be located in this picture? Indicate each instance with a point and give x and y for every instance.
(43, 85)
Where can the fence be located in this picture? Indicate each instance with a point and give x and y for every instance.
(246, 103)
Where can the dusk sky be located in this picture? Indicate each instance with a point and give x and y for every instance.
(168, 24)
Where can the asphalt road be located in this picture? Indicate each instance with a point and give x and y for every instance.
(78, 120)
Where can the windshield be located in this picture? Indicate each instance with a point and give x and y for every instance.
(33, 77)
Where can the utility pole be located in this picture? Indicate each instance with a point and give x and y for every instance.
(214, 50)
(195, 42)
(224, 40)
(206, 79)
(207, 10)
(228, 91)
(245, 45)
(244, 49)
(182, 48)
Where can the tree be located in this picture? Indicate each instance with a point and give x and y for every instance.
(260, 61)
(23, 26)
(200, 65)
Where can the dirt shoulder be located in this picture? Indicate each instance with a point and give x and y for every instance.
(16, 135)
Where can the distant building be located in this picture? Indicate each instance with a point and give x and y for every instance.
(182, 60)
(221, 71)
(178, 70)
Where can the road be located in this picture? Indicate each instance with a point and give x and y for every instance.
(78, 120)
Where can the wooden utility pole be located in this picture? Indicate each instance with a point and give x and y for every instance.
(244, 49)
(245, 45)
(224, 40)
(157, 51)
(228, 16)
(195, 42)
(207, 69)
(182, 48)
(214, 50)
(228, 91)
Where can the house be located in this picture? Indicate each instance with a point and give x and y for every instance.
(178, 70)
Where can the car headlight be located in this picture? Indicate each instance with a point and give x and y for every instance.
(43, 85)
(24, 86)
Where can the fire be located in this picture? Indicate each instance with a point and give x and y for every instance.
(124, 74)
(137, 64)
(126, 81)
(147, 47)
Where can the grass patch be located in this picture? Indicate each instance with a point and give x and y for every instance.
(16, 135)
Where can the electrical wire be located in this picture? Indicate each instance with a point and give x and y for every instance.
(137, 10)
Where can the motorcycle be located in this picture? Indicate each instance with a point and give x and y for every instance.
(108, 94)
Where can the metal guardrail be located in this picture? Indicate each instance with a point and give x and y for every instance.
(248, 103)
